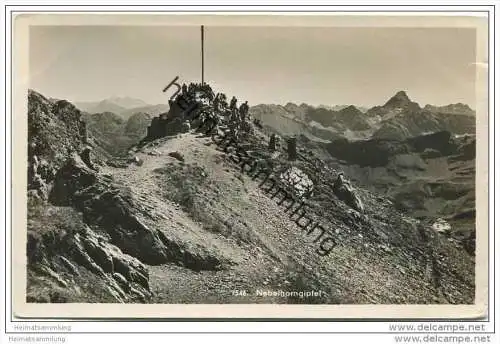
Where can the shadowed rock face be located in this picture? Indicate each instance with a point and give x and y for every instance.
(366, 153)
(377, 152)
(112, 208)
(65, 255)
(55, 130)
(73, 176)
(440, 141)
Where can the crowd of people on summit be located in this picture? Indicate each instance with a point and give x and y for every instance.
(219, 110)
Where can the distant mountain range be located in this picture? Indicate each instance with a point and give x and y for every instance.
(399, 118)
(122, 106)
(341, 107)
(453, 109)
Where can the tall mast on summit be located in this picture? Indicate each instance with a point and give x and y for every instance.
(202, 55)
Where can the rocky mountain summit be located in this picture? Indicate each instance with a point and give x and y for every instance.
(183, 220)
(400, 101)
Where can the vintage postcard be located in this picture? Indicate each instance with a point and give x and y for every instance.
(250, 166)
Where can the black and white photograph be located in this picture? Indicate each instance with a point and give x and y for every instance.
(253, 164)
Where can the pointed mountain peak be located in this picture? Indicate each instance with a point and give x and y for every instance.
(290, 106)
(401, 94)
(400, 99)
(351, 108)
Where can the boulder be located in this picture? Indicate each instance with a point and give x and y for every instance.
(298, 181)
(154, 152)
(185, 127)
(176, 155)
(136, 160)
(346, 193)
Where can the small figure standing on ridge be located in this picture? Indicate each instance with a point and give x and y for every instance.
(85, 155)
(233, 109)
(223, 102)
(244, 111)
(215, 103)
(233, 103)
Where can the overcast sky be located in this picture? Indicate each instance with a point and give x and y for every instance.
(360, 66)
